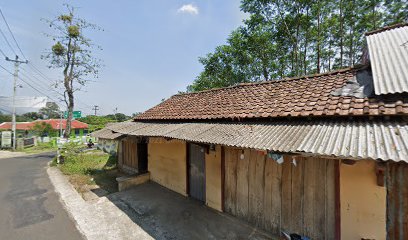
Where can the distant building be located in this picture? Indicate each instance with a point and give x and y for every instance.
(26, 128)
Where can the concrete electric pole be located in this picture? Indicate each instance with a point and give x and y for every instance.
(95, 108)
(16, 65)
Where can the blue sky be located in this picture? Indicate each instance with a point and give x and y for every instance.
(150, 47)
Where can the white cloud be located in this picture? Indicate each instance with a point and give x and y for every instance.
(188, 8)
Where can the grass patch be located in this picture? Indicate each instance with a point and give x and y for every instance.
(41, 147)
(88, 168)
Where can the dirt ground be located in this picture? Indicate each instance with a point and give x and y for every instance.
(164, 214)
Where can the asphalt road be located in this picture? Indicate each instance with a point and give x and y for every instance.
(29, 207)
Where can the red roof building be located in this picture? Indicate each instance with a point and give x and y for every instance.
(55, 123)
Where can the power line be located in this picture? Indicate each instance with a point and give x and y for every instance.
(1, 51)
(12, 35)
(42, 93)
(42, 88)
(4, 110)
(79, 102)
(31, 65)
(8, 43)
(5, 69)
(39, 80)
(48, 87)
(18, 46)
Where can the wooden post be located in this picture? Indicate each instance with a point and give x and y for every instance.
(222, 178)
(337, 198)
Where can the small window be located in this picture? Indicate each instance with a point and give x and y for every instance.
(76, 132)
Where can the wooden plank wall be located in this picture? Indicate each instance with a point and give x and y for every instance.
(129, 151)
(397, 200)
(297, 199)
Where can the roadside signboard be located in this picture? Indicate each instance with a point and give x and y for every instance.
(75, 114)
(6, 139)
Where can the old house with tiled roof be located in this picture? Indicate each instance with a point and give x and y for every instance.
(325, 156)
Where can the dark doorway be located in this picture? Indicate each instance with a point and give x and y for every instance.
(196, 171)
(142, 156)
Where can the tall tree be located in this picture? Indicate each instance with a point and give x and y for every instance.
(32, 116)
(72, 52)
(51, 110)
(289, 38)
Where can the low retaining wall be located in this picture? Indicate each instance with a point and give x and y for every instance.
(131, 181)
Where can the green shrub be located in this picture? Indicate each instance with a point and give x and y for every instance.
(85, 163)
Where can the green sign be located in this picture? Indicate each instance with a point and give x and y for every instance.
(75, 114)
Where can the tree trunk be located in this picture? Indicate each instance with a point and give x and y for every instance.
(341, 33)
(352, 36)
(305, 49)
(330, 48)
(265, 73)
(374, 17)
(296, 48)
(70, 106)
(318, 39)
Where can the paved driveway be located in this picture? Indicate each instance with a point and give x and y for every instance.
(167, 215)
(29, 207)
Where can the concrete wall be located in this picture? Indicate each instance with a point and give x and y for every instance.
(108, 145)
(363, 203)
(213, 178)
(167, 163)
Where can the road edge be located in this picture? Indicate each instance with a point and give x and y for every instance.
(58, 179)
(94, 220)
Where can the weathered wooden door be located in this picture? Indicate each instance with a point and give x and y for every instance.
(397, 200)
(297, 196)
(129, 155)
(196, 176)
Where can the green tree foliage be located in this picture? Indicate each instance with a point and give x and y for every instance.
(51, 110)
(135, 114)
(291, 38)
(99, 122)
(4, 117)
(118, 117)
(43, 129)
(72, 52)
(96, 122)
(32, 116)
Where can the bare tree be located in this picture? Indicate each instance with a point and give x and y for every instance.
(72, 52)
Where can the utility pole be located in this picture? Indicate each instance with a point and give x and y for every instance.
(60, 124)
(95, 108)
(16, 65)
(115, 111)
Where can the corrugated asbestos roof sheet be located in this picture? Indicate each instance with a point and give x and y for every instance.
(359, 139)
(106, 134)
(388, 51)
